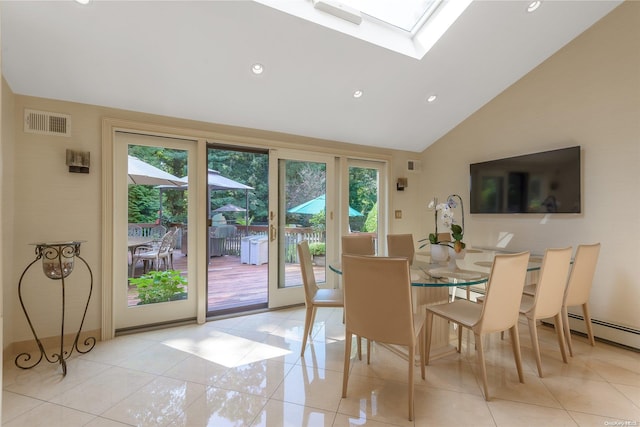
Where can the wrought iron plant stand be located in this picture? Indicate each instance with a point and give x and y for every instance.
(57, 264)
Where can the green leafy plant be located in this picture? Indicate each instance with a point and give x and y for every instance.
(317, 248)
(243, 221)
(160, 286)
(318, 221)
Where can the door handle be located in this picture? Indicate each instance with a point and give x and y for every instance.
(272, 232)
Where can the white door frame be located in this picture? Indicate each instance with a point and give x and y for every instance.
(111, 247)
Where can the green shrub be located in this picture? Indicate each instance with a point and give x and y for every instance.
(317, 248)
(160, 286)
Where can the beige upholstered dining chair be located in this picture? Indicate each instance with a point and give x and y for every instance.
(377, 305)
(578, 289)
(548, 299)
(498, 313)
(358, 244)
(401, 245)
(314, 296)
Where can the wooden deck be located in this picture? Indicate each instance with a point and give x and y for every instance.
(233, 286)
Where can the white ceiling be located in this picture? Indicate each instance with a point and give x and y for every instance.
(192, 60)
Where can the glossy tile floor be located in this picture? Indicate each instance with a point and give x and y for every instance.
(247, 371)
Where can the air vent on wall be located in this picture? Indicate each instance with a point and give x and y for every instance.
(414, 166)
(45, 123)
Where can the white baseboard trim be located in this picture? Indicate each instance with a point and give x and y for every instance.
(607, 331)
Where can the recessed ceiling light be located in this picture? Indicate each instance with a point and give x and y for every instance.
(83, 1)
(533, 6)
(432, 98)
(257, 68)
(357, 94)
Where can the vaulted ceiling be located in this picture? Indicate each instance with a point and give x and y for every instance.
(193, 59)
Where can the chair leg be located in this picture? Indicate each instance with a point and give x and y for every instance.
(412, 361)
(459, 338)
(347, 359)
(587, 320)
(533, 331)
(481, 365)
(308, 319)
(567, 329)
(560, 333)
(517, 355)
(421, 343)
(368, 351)
(427, 345)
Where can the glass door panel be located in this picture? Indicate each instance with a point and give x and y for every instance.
(152, 274)
(238, 249)
(366, 204)
(303, 201)
(302, 209)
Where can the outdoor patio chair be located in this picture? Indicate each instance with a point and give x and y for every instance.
(151, 256)
(157, 231)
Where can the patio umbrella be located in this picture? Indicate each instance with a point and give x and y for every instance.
(315, 206)
(229, 208)
(215, 181)
(219, 182)
(142, 173)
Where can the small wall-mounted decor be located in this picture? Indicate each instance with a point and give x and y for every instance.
(78, 161)
(402, 183)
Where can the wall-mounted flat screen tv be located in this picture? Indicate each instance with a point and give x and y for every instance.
(547, 182)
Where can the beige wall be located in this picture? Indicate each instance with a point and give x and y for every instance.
(587, 94)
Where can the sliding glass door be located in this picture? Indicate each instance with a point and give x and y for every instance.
(301, 208)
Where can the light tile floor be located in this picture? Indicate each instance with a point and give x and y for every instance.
(247, 371)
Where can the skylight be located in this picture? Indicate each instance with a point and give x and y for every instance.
(409, 27)
(407, 15)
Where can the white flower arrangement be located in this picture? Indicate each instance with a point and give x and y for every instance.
(448, 220)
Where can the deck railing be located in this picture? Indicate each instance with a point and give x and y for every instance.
(231, 243)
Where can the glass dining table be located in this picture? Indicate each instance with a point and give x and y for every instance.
(432, 282)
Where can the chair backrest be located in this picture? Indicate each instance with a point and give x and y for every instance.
(306, 267)
(581, 278)
(377, 298)
(174, 239)
(135, 231)
(401, 245)
(358, 244)
(157, 231)
(166, 242)
(504, 291)
(552, 282)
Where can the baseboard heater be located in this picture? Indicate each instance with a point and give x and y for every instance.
(607, 332)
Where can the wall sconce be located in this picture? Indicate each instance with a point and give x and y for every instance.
(58, 260)
(78, 161)
(401, 184)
